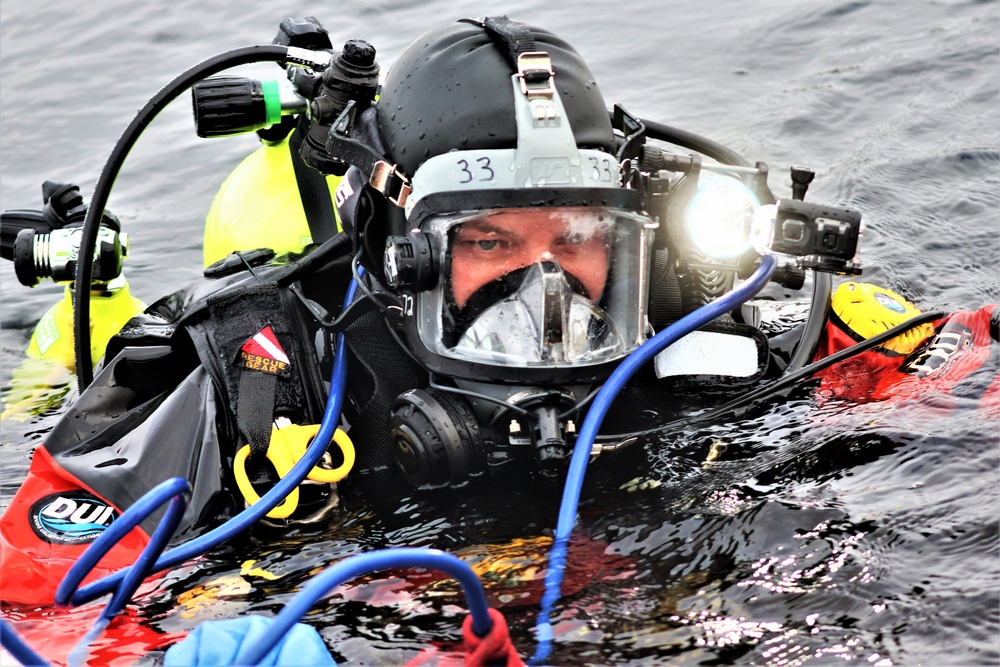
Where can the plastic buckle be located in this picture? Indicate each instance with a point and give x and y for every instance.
(534, 71)
(287, 446)
(382, 174)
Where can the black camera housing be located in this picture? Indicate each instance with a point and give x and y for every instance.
(823, 238)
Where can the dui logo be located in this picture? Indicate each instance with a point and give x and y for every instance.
(888, 302)
(72, 517)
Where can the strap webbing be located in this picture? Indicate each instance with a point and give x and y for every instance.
(513, 37)
(379, 174)
(255, 410)
(315, 194)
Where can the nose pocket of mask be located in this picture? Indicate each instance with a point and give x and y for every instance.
(545, 320)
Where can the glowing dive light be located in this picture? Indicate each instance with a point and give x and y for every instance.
(720, 215)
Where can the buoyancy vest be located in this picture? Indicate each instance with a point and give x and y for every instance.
(168, 403)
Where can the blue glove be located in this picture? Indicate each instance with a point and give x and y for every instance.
(216, 644)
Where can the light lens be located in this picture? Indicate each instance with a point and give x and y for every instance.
(720, 216)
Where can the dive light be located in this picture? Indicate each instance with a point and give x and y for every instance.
(714, 217)
(724, 220)
(719, 216)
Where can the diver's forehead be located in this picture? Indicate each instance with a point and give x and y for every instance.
(535, 218)
(522, 218)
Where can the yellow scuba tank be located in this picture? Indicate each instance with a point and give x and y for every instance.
(865, 310)
(259, 206)
(40, 381)
(110, 309)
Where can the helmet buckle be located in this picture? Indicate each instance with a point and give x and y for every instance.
(391, 182)
(534, 71)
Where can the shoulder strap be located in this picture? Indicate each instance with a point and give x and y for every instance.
(315, 194)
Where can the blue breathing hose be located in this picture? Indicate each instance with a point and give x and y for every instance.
(176, 490)
(14, 644)
(323, 584)
(592, 423)
(270, 500)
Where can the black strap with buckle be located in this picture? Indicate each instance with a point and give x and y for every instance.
(532, 65)
(516, 42)
(382, 176)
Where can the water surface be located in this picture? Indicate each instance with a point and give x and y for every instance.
(827, 533)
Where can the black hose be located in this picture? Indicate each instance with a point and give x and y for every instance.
(95, 211)
(802, 373)
(819, 306)
(695, 142)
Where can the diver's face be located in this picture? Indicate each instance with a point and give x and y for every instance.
(491, 247)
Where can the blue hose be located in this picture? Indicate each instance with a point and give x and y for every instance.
(322, 585)
(592, 423)
(15, 645)
(176, 490)
(252, 514)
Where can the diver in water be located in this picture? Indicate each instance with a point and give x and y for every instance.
(511, 245)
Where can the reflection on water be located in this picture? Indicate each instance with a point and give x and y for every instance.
(797, 544)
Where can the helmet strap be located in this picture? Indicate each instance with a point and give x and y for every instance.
(513, 38)
(382, 176)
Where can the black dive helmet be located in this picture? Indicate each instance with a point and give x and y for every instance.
(518, 250)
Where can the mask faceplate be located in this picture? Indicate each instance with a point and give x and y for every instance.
(535, 287)
(545, 321)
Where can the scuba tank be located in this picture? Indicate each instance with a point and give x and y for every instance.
(282, 195)
(263, 190)
(111, 307)
(44, 244)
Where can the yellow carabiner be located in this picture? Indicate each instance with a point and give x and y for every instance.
(287, 446)
(283, 510)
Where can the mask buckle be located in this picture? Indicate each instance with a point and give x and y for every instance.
(534, 71)
(391, 182)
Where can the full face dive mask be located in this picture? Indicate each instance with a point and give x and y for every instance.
(553, 296)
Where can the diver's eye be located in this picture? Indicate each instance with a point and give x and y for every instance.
(487, 244)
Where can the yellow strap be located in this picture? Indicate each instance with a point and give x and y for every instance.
(287, 446)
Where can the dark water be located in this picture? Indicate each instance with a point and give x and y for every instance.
(828, 533)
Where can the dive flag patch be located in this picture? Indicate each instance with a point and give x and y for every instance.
(263, 352)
